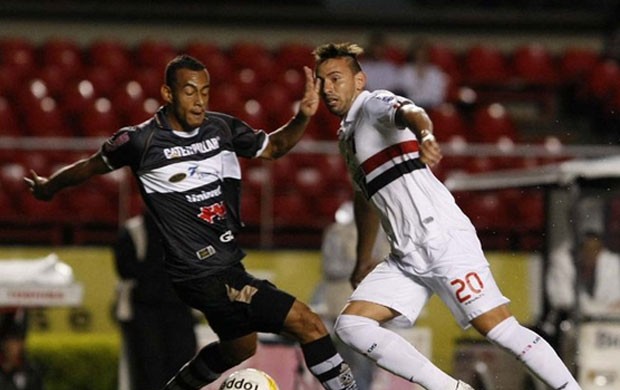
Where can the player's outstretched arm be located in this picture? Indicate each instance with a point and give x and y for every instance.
(416, 119)
(283, 139)
(45, 188)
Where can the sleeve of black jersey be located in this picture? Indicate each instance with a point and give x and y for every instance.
(121, 149)
(246, 141)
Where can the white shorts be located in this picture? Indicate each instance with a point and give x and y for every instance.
(460, 276)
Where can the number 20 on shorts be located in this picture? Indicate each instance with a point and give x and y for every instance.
(470, 285)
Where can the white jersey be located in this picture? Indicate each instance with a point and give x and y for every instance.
(415, 207)
(434, 247)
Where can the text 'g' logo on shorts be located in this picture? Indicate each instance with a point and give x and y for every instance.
(227, 236)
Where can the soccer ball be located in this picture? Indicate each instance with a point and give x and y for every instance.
(249, 379)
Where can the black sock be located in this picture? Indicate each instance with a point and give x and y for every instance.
(203, 369)
(327, 365)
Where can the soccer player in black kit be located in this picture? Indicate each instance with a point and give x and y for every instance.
(185, 162)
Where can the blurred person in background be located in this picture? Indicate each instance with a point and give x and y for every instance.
(16, 371)
(388, 144)
(589, 272)
(420, 80)
(380, 70)
(332, 293)
(186, 162)
(157, 327)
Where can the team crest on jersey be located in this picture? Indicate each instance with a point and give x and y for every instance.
(205, 252)
(177, 177)
(211, 212)
(116, 141)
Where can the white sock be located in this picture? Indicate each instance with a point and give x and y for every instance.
(391, 352)
(534, 352)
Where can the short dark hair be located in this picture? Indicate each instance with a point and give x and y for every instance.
(183, 61)
(350, 51)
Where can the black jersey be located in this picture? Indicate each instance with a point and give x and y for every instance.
(191, 182)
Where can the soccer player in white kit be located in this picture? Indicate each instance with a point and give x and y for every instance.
(388, 144)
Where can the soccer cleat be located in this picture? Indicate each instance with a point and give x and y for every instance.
(460, 385)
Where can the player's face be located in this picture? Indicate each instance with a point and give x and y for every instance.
(189, 99)
(339, 85)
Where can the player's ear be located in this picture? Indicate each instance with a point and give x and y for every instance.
(166, 93)
(360, 81)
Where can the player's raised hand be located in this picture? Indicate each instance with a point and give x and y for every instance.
(430, 152)
(310, 101)
(37, 186)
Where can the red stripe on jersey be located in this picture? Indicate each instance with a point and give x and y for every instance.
(387, 154)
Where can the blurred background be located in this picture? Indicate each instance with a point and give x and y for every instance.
(523, 84)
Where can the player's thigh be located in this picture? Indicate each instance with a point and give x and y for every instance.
(469, 291)
(388, 292)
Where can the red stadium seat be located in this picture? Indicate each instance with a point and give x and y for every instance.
(64, 53)
(88, 205)
(449, 123)
(603, 80)
(255, 115)
(12, 178)
(492, 123)
(294, 55)
(220, 69)
(111, 54)
(128, 97)
(143, 112)
(294, 80)
(202, 50)
(577, 62)
(103, 79)
(77, 96)
(534, 64)
(248, 83)
(274, 98)
(225, 98)
(151, 81)
(10, 80)
(485, 65)
(9, 124)
(99, 119)
(311, 181)
(291, 209)
(244, 54)
(46, 119)
(154, 54)
(447, 59)
(55, 79)
(251, 208)
(18, 53)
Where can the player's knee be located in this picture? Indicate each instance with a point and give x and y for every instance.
(349, 327)
(305, 324)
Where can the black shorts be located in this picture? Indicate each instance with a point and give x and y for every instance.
(236, 304)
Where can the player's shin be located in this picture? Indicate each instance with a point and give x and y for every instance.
(537, 355)
(391, 352)
(203, 369)
(327, 365)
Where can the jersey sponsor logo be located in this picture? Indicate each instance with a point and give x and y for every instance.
(205, 252)
(177, 177)
(204, 195)
(194, 171)
(203, 146)
(228, 236)
(209, 213)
